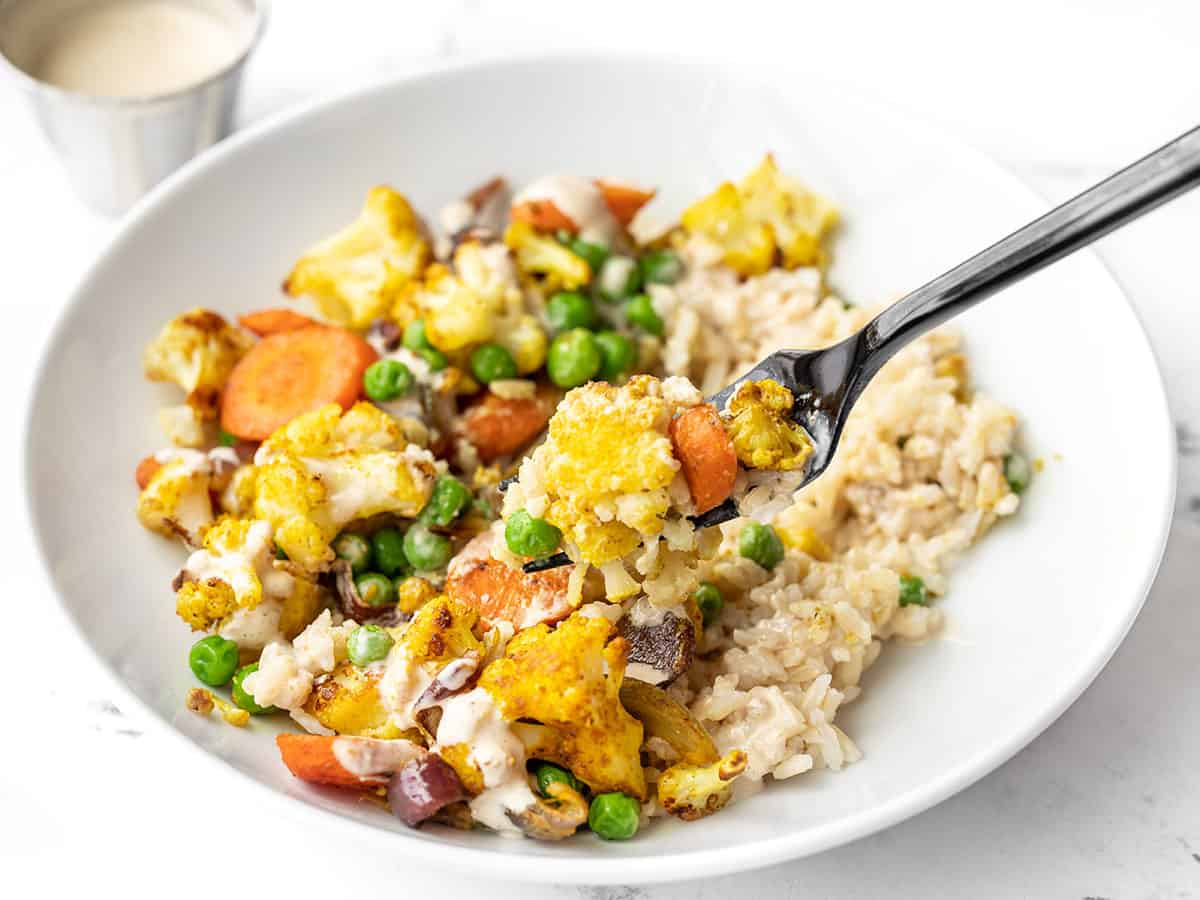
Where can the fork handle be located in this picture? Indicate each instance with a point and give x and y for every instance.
(1153, 180)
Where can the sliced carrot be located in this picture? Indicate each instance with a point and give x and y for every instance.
(706, 454)
(500, 593)
(145, 471)
(311, 757)
(291, 373)
(624, 200)
(274, 321)
(543, 215)
(497, 426)
(315, 758)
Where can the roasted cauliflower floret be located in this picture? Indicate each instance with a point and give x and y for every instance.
(442, 630)
(234, 575)
(185, 426)
(526, 340)
(455, 315)
(196, 350)
(354, 276)
(799, 218)
(176, 502)
(767, 215)
(348, 702)
(569, 680)
(605, 467)
(763, 435)
(542, 256)
(692, 792)
(477, 299)
(749, 245)
(325, 469)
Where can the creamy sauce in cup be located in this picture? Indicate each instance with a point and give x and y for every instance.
(140, 48)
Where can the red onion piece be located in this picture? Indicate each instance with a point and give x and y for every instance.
(453, 677)
(422, 787)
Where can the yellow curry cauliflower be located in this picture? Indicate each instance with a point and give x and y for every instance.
(354, 276)
(768, 215)
(348, 701)
(569, 680)
(541, 256)
(177, 502)
(693, 791)
(196, 350)
(461, 302)
(605, 468)
(232, 581)
(326, 468)
(763, 435)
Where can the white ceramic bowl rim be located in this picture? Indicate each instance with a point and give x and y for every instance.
(600, 868)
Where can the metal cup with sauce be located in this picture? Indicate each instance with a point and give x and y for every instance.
(116, 145)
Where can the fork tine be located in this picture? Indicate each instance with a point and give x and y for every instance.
(549, 562)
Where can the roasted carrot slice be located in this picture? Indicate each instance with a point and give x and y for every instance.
(499, 593)
(543, 215)
(145, 471)
(624, 200)
(291, 373)
(274, 321)
(497, 426)
(312, 758)
(706, 453)
(322, 759)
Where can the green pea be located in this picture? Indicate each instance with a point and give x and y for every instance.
(448, 501)
(213, 660)
(617, 356)
(660, 267)
(614, 817)
(759, 543)
(225, 439)
(1017, 472)
(435, 358)
(570, 309)
(387, 379)
(530, 536)
(573, 358)
(547, 774)
(354, 549)
(387, 548)
(414, 336)
(913, 591)
(242, 698)
(709, 601)
(618, 278)
(375, 589)
(368, 644)
(426, 550)
(592, 254)
(491, 362)
(639, 311)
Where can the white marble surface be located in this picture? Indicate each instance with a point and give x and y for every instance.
(1105, 804)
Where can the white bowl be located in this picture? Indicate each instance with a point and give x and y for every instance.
(1034, 612)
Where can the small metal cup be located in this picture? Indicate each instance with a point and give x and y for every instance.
(116, 148)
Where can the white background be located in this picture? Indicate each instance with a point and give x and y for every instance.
(1105, 804)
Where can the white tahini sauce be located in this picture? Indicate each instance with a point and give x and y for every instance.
(474, 719)
(140, 48)
(581, 201)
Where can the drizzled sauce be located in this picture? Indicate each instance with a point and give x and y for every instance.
(579, 200)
